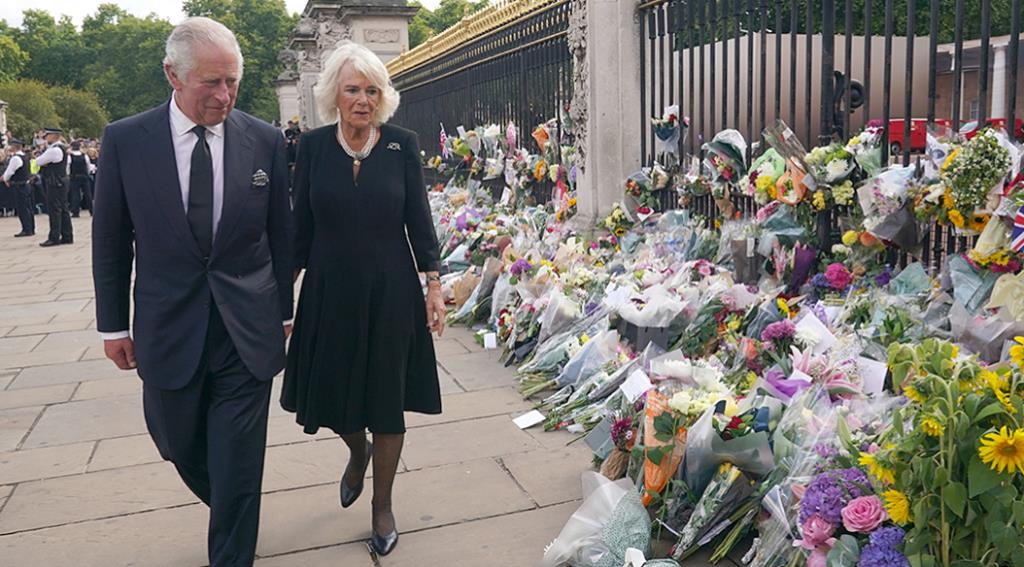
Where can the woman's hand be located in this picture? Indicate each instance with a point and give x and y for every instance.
(436, 312)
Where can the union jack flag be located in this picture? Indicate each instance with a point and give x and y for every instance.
(1017, 240)
(445, 152)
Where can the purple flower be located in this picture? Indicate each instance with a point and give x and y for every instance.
(825, 451)
(882, 549)
(883, 278)
(830, 491)
(783, 329)
(820, 281)
(519, 267)
(891, 537)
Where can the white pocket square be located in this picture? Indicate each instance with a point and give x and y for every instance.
(395, 146)
(260, 178)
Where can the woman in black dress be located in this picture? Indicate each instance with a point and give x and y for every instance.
(361, 352)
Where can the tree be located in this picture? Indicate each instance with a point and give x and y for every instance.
(449, 12)
(29, 107)
(55, 49)
(128, 81)
(80, 111)
(262, 28)
(12, 58)
(419, 26)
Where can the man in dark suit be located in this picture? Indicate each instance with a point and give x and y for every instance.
(197, 195)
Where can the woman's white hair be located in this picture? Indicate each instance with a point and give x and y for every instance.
(365, 62)
(193, 33)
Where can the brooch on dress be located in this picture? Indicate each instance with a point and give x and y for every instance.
(260, 178)
(395, 146)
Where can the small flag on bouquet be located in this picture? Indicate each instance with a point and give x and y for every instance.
(445, 152)
(1017, 239)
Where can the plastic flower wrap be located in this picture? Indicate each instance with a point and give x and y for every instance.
(972, 173)
(669, 128)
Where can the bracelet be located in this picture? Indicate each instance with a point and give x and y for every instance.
(433, 279)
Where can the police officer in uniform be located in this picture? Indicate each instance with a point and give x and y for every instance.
(53, 168)
(16, 177)
(81, 191)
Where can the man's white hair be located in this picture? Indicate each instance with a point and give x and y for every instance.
(365, 62)
(194, 33)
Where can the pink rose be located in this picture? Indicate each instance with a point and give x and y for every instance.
(864, 514)
(817, 532)
(819, 557)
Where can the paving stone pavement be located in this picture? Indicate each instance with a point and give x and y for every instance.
(81, 483)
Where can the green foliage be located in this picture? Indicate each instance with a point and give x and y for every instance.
(81, 113)
(12, 58)
(262, 28)
(29, 107)
(428, 23)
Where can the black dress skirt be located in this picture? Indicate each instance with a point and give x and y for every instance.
(361, 353)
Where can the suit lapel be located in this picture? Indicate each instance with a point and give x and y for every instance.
(238, 158)
(161, 166)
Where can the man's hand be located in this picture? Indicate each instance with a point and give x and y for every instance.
(122, 352)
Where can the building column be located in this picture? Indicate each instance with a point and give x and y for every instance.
(999, 71)
(610, 81)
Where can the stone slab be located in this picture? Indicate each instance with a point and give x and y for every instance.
(51, 462)
(14, 424)
(36, 396)
(130, 384)
(463, 441)
(18, 345)
(69, 373)
(124, 452)
(478, 371)
(173, 537)
(92, 496)
(283, 430)
(40, 358)
(311, 517)
(448, 385)
(54, 327)
(349, 555)
(550, 476)
(70, 340)
(448, 347)
(472, 405)
(88, 420)
(49, 308)
(305, 464)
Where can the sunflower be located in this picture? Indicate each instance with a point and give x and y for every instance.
(977, 222)
(932, 427)
(1003, 450)
(956, 218)
(620, 232)
(783, 306)
(898, 506)
(883, 474)
(947, 200)
(1000, 387)
(913, 395)
(1017, 352)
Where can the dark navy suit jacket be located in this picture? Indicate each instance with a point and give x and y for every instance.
(138, 215)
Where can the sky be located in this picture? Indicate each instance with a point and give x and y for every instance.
(10, 10)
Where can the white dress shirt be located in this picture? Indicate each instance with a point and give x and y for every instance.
(12, 166)
(53, 154)
(184, 142)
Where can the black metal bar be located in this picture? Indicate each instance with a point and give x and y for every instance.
(933, 48)
(828, 65)
(793, 24)
(986, 44)
(777, 76)
(887, 80)
(643, 92)
(724, 22)
(958, 63)
(808, 88)
(657, 80)
(737, 14)
(908, 108)
(669, 38)
(714, 67)
(762, 94)
(867, 58)
(661, 61)
(1014, 63)
(750, 70)
(848, 70)
(690, 50)
(701, 92)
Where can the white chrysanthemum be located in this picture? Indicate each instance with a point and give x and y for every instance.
(836, 169)
(807, 337)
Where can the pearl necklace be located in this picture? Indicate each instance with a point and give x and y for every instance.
(358, 157)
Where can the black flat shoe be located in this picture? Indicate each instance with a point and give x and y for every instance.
(383, 545)
(350, 495)
(21, 234)
(49, 243)
(67, 241)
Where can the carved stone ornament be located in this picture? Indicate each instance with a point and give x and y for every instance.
(577, 40)
(381, 36)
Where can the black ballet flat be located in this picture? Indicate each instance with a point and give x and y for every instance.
(350, 495)
(383, 545)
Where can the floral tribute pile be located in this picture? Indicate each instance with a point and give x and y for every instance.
(758, 386)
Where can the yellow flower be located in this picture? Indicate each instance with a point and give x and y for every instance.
(1000, 388)
(949, 159)
(932, 427)
(850, 237)
(1003, 450)
(886, 476)
(898, 506)
(956, 218)
(819, 200)
(584, 339)
(978, 222)
(572, 202)
(620, 232)
(956, 352)
(1017, 352)
(718, 224)
(765, 184)
(947, 200)
(784, 307)
(913, 395)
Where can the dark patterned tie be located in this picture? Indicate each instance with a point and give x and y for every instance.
(200, 193)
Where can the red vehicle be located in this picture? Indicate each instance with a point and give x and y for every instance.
(969, 129)
(918, 134)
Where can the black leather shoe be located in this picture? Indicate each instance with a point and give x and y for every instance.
(383, 545)
(23, 233)
(67, 241)
(349, 495)
(49, 243)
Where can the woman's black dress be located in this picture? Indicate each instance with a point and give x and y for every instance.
(361, 352)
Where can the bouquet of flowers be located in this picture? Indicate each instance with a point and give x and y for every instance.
(618, 222)
(971, 174)
(668, 130)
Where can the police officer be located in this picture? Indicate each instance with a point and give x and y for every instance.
(80, 190)
(53, 168)
(16, 177)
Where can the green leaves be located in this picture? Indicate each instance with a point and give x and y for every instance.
(995, 408)
(981, 477)
(664, 427)
(657, 454)
(845, 553)
(954, 495)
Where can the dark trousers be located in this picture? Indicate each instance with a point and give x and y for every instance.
(57, 207)
(214, 430)
(80, 195)
(23, 206)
